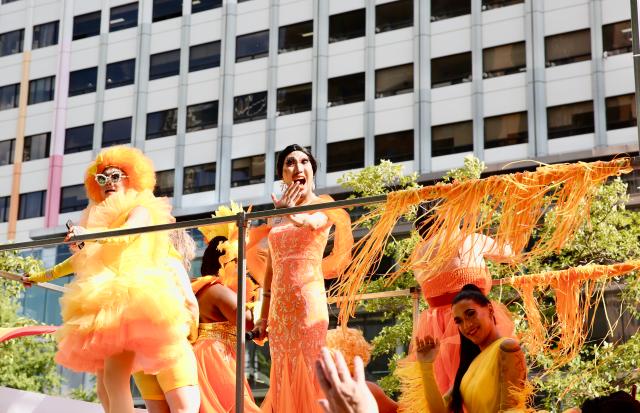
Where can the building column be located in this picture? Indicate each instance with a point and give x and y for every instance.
(536, 78)
(597, 74)
(141, 87)
(320, 69)
(272, 96)
(98, 111)
(477, 98)
(370, 84)
(225, 105)
(422, 86)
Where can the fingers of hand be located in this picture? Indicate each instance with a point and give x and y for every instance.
(322, 376)
(325, 405)
(358, 367)
(330, 366)
(343, 369)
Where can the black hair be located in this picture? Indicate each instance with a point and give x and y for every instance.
(468, 349)
(425, 217)
(619, 401)
(282, 156)
(211, 257)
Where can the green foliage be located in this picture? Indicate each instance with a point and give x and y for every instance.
(87, 395)
(25, 363)
(472, 169)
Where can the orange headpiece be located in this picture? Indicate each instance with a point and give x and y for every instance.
(138, 168)
(351, 343)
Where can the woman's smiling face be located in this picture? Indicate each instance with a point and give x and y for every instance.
(474, 321)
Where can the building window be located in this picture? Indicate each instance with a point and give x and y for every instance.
(73, 198)
(569, 120)
(505, 130)
(394, 80)
(565, 48)
(394, 15)
(8, 1)
(164, 183)
(345, 26)
(123, 17)
(247, 171)
(452, 138)
(346, 89)
(36, 147)
(4, 208)
(120, 73)
(199, 178)
(451, 70)
(116, 132)
(252, 46)
(621, 111)
(164, 64)
(202, 5)
(202, 116)
(295, 37)
(83, 81)
(616, 38)
(41, 90)
(345, 155)
(494, 4)
(162, 123)
(31, 205)
(86, 25)
(250, 107)
(204, 56)
(395, 146)
(78, 139)
(294, 99)
(446, 9)
(6, 151)
(9, 96)
(504, 60)
(166, 9)
(11, 42)
(45, 34)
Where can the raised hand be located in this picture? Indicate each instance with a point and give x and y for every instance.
(289, 198)
(427, 348)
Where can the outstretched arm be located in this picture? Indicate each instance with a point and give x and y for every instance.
(58, 270)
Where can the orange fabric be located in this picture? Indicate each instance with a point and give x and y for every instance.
(8, 333)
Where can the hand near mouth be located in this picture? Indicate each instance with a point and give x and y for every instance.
(290, 196)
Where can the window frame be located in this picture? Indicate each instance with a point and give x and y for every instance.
(85, 147)
(110, 67)
(287, 32)
(81, 202)
(15, 98)
(174, 71)
(38, 96)
(19, 45)
(451, 80)
(353, 80)
(559, 131)
(251, 179)
(520, 137)
(338, 35)
(125, 24)
(11, 143)
(380, 93)
(89, 87)
(496, 4)
(204, 125)
(353, 152)
(121, 141)
(568, 59)
(447, 11)
(504, 71)
(35, 42)
(259, 53)
(392, 137)
(290, 109)
(453, 149)
(241, 118)
(199, 188)
(160, 192)
(5, 202)
(24, 203)
(613, 124)
(176, 11)
(28, 149)
(203, 63)
(89, 18)
(164, 116)
(605, 34)
(382, 11)
(214, 5)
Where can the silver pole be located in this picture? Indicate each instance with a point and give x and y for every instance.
(240, 312)
(635, 20)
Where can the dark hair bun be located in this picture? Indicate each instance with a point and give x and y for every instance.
(471, 287)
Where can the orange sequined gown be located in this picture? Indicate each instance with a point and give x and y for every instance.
(298, 318)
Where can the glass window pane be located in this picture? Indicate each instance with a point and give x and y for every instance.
(394, 15)
(346, 89)
(36, 147)
(162, 123)
(4, 208)
(247, 171)
(11, 42)
(621, 111)
(41, 90)
(504, 60)
(395, 146)
(6, 151)
(164, 64)
(202, 116)
(166, 9)
(252, 46)
(116, 132)
(571, 119)
(494, 4)
(616, 38)
(445, 9)
(451, 70)
(199, 178)
(505, 130)
(73, 198)
(347, 25)
(294, 99)
(86, 25)
(78, 139)
(345, 155)
(121, 73)
(83, 81)
(295, 36)
(250, 107)
(164, 183)
(9, 96)
(394, 80)
(45, 35)
(452, 138)
(31, 205)
(202, 5)
(204, 56)
(123, 17)
(567, 48)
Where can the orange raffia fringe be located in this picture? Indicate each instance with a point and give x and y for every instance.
(468, 207)
(575, 291)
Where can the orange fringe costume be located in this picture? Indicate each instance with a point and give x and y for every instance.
(123, 297)
(298, 318)
(215, 347)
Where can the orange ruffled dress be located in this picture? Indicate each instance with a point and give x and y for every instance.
(123, 297)
(215, 351)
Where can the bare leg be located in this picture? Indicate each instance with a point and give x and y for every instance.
(117, 371)
(157, 406)
(184, 399)
(102, 392)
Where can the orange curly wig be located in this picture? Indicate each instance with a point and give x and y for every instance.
(351, 343)
(138, 168)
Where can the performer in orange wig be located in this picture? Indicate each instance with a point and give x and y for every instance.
(294, 310)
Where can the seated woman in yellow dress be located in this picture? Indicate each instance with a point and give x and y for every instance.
(492, 373)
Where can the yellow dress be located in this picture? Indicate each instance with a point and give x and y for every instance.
(124, 296)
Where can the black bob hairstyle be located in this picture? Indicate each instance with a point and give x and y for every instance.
(211, 257)
(282, 156)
